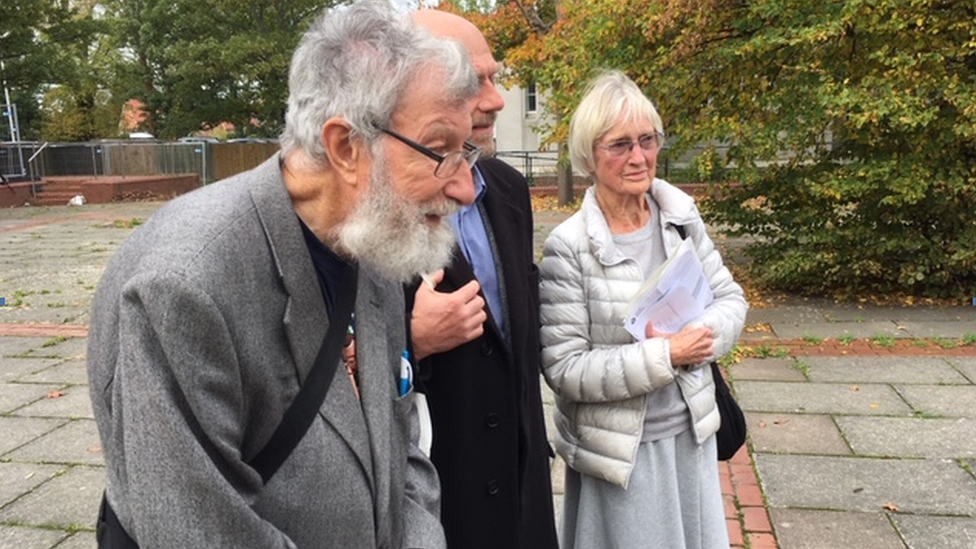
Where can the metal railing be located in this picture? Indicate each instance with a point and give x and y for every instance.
(210, 161)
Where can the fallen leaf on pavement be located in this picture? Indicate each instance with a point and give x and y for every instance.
(55, 394)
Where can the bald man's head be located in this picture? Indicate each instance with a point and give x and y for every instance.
(489, 101)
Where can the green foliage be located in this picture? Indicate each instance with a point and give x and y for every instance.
(197, 63)
(850, 126)
(875, 194)
(37, 38)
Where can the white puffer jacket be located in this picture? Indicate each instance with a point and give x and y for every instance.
(600, 375)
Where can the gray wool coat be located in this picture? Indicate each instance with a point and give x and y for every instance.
(203, 327)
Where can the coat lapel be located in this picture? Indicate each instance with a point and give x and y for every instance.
(305, 321)
(380, 339)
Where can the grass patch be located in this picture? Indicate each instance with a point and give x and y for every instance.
(801, 367)
(54, 341)
(813, 340)
(969, 338)
(846, 339)
(18, 297)
(734, 356)
(921, 414)
(121, 224)
(883, 340)
(767, 351)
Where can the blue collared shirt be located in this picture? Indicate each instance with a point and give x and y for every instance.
(473, 241)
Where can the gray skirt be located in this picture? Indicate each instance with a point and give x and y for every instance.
(674, 500)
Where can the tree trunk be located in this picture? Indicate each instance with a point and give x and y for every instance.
(564, 176)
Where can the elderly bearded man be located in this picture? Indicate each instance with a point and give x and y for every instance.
(208, 320)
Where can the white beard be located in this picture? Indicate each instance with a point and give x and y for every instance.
(390, 234)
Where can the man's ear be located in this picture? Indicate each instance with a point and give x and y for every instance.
(341, 150)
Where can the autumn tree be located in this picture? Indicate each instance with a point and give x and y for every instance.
(78, 104)
(197, 63)
(844, 132)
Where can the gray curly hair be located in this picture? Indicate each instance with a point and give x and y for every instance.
(354, 62)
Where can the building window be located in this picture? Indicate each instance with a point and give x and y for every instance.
(530, 99)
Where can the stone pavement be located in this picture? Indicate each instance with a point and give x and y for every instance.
(860, 434)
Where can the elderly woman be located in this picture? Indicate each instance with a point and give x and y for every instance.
(635, 419)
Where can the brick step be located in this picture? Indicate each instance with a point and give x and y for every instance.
(59, 192)
(63, 187)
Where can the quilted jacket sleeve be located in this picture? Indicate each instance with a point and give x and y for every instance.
(583, 360)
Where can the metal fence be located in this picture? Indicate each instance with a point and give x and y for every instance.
(32, 161)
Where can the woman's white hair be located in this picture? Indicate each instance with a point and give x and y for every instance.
(608, 96)
(355, 62)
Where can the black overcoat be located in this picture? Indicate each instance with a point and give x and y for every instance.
(489, 442)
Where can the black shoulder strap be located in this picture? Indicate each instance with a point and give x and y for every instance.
(311, 395)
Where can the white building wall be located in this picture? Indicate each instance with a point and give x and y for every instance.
(516, 139)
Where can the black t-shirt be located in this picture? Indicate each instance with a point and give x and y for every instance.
(328, 266)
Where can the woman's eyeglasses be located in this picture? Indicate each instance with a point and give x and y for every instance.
(647, 142)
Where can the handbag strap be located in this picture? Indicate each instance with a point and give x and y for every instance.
(301, 412)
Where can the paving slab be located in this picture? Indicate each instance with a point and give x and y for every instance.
(15, 346)
(795, 434)
(928, 532)
(941, 400)
(69, 500)
(944, 329)
(73, 401)
(79, 540)
(17, 431)
(68, 372)
(17, 479)
(930, 486)
(816, 529)
(894, 369)
(910, 437)
(15, 369)
(794, 329)
(793, 312)
(18, 537)
(964, 365)
(75, 442)
(17, 395)
(71, 348)
(962, 312)
(820, 398)
(766, 369)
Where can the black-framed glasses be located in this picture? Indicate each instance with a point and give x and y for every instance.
(447, 164)
(647, 142)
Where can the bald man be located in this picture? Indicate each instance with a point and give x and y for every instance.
(475, 334)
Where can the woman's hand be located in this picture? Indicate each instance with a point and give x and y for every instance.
(689, 346)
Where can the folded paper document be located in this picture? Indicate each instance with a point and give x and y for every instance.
(675, 294)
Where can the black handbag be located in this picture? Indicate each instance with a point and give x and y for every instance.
(731, 434)
(109, 532)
